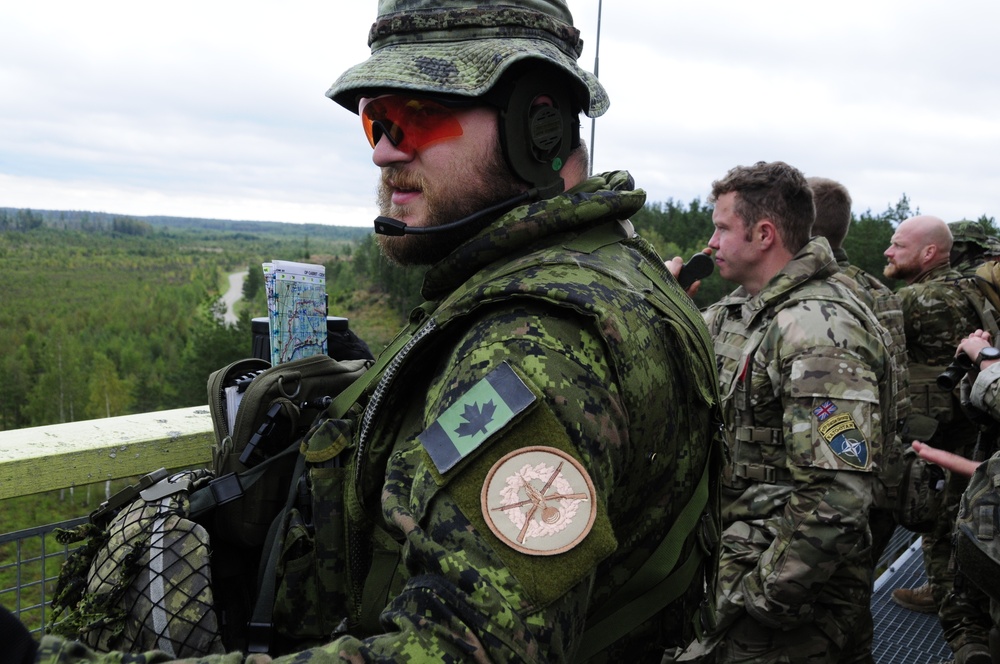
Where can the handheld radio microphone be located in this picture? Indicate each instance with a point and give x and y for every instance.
(389, 226)
(698, 267)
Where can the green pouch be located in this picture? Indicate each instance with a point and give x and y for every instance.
(313, 596)
(920, 493)
(277, 407)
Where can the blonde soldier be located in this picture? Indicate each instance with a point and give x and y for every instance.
(807, 392)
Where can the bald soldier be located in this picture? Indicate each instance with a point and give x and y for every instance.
(937, 315)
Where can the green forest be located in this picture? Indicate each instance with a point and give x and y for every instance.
(104, 315)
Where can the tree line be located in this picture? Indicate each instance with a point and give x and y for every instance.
(103, 315)
(107, 318)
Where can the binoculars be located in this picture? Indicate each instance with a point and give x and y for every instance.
(953, 374)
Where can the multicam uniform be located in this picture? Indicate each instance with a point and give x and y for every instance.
(888, 309)
(804, 367)
(938, 314)
(590, 432)
(985, 395)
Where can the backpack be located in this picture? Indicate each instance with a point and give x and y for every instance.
(143, 579)
(172, 562)
(977, 528)
(277, 406)
(983, 292)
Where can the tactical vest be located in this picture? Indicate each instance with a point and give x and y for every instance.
(889, 312)
(927, 397)
(578, 259)
(757, 453)
(977, 529)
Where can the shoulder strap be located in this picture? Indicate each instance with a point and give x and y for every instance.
(261, 622)
(974, 291)
(659, 581)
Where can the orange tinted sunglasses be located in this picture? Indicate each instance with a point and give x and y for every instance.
(409, 123)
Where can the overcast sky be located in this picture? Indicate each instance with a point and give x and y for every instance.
(216, 108)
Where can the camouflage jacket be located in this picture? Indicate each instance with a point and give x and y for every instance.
(888, 309)
(600, 393)
(806, 376)
(985, 391)
(937, 315)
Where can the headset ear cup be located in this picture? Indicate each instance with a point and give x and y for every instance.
(537, 139)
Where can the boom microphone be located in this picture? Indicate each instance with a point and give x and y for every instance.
(389, 226)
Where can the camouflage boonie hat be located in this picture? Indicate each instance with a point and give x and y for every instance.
(973, 232)
(463, 47)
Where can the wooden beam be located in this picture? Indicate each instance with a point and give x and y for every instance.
(59, 456)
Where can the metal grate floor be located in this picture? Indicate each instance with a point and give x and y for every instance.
(903, 636)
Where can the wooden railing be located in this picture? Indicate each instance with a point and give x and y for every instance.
(59, 456)
(62, 456)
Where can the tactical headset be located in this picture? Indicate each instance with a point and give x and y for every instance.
(536, 140)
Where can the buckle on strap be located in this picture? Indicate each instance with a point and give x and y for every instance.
(760, 472)
(759, 435)
(226, 489)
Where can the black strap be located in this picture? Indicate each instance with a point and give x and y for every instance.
(232, 486)
(260, 626)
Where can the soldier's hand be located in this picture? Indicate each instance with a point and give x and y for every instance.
(948, 460)
(690, 274)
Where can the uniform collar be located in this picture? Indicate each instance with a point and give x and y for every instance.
(596, 200)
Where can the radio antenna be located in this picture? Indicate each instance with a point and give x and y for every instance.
(597, 65)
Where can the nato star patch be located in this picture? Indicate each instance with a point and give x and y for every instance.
(539, 500)
(846, 440)
(478, 414)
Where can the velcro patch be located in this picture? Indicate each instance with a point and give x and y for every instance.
(825, 410)
(478, 414)
(539, 500)
(846, 440)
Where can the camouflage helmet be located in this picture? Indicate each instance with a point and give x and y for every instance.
(463, 47)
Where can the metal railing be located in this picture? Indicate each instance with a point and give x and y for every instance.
(63, 456)
(34, 560)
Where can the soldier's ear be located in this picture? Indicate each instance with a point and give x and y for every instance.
(766, 233)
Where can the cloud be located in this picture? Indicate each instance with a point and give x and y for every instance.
(217, 109)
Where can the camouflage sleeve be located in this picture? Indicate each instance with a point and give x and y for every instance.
(829, 406)
(470, 595)
(985, 393)
(56, 650)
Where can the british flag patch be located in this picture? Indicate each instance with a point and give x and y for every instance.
(825, 410)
